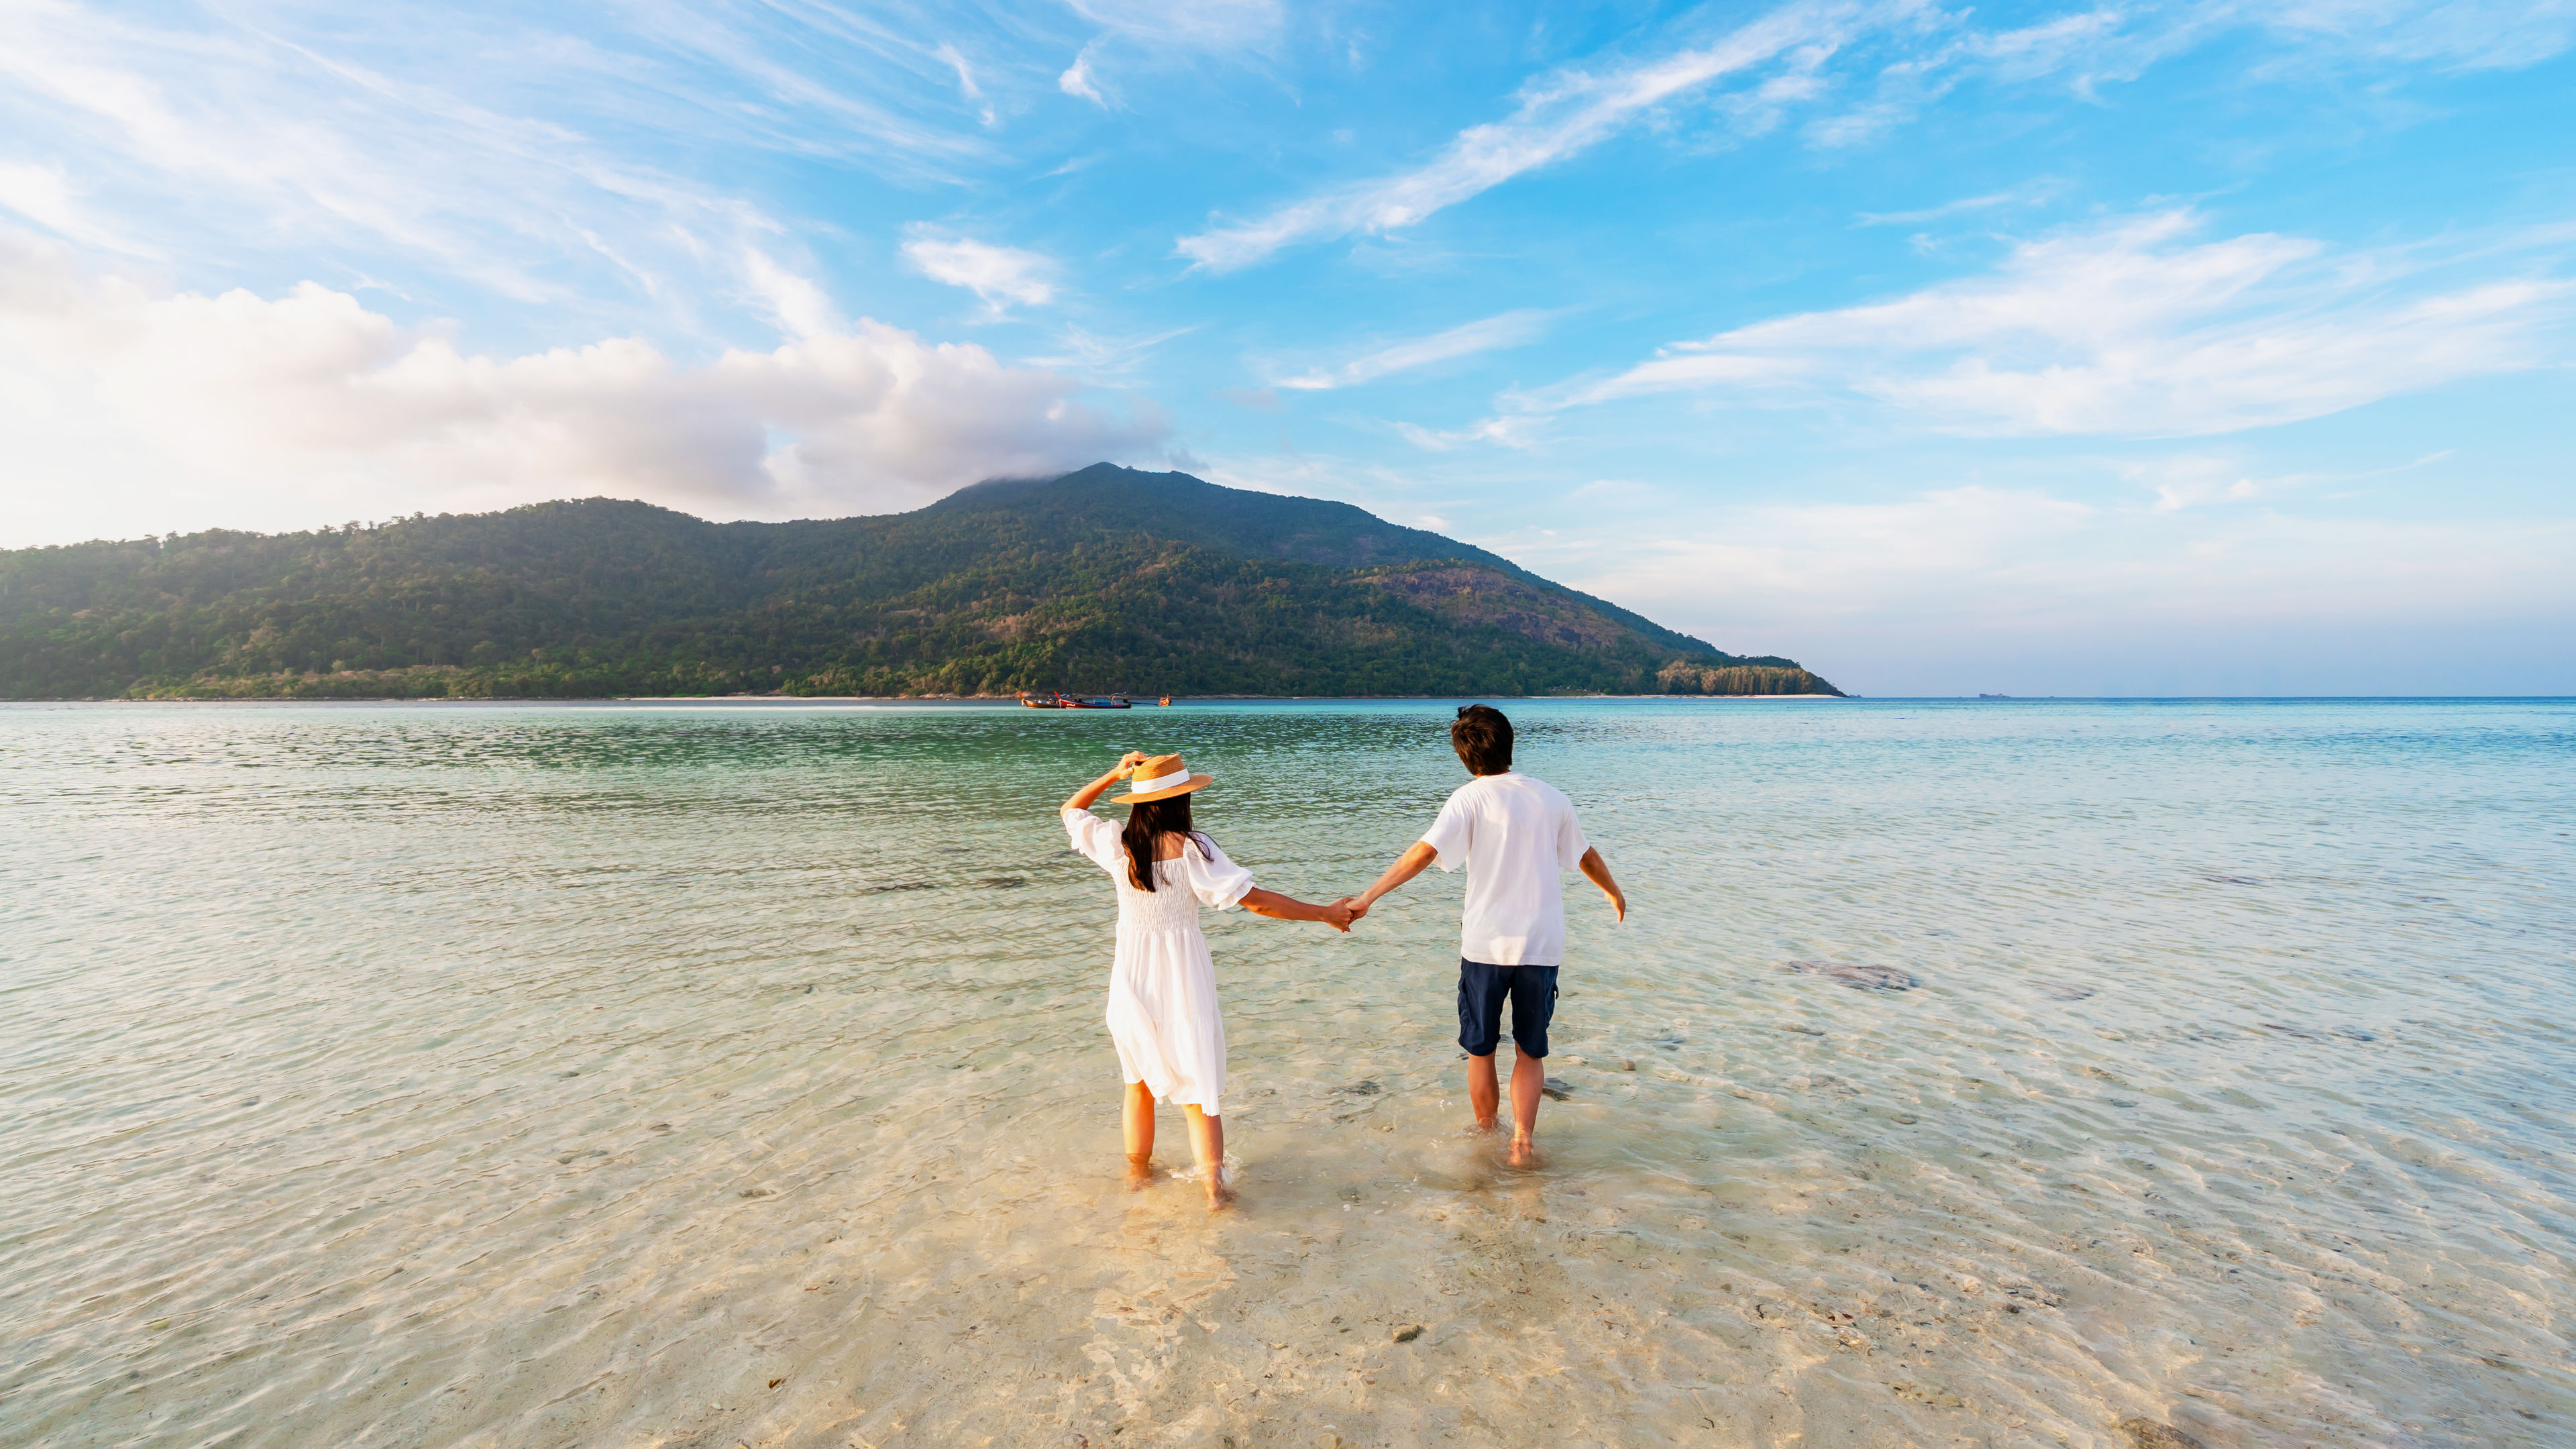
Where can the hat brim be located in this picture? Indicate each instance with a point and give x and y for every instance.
(1194, 782)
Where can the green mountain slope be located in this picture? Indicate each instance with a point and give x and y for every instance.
(1105, 579)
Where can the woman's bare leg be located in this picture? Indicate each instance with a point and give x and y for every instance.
(1207, 1142)
(1136, 1117)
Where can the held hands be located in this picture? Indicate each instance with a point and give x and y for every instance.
(1338, 915)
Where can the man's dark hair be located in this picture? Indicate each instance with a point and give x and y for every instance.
(1483, 738)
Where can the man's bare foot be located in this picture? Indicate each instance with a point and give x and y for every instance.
(1524, 1151)
(1140, 1172)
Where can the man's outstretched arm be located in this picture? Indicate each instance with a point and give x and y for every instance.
(1597, 871)
(1408, 865)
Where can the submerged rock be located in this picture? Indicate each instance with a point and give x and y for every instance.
(2148, 1434)
(1407, 1333)
(1856, 976)
(1557, 1088)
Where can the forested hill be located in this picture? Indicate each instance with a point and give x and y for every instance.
(1105, 579)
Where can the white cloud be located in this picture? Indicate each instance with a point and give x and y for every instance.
(1847, 556)
(1508, 431)
(310, 392)
(1956, 590)
(2192, 480)
(1895, 57)
(45, 196)
(1197, 24)
(1092, 354)
(1508, 329)
(401, 141)
(999, 275)
(2018, 196)
(966, 86)
(965, 73)
(2468, 34)
(793, 301)
(2132, 329)
(1565, 113)
(1077, 79)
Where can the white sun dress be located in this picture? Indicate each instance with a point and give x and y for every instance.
(1162, 987)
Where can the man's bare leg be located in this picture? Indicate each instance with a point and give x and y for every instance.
(1483, 1096)
(1207, 1142)
(1529, 1074)
(1136, 1118)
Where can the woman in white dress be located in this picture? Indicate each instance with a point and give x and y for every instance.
(1162, 987)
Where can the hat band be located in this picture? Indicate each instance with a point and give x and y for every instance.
(1180, 776)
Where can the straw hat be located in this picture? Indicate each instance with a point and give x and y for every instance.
(1160, 778)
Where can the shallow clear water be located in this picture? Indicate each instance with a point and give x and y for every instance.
(734, 1075)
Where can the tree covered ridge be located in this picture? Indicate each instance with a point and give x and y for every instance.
(1071, 584)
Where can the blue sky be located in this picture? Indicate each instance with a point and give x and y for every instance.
(2141, 348)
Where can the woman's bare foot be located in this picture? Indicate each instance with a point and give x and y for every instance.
(1140, 1172)
(1220, 1196)
(1524, 1151)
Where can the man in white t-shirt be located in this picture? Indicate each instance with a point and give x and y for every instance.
(1513, 835)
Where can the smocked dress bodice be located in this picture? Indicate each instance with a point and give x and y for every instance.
(1173, 905)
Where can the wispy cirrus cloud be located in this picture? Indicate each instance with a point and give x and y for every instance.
(1507, 329)
(1558, 116)
(2031, 194)
(967, 89)
(1198, 24)
(388, 141)
(1508, 430)
(2135, 328)
(998, 274)
(1078, 81)
(1861, 70)
(47, 196)
(2464, 34)
(1155, 31)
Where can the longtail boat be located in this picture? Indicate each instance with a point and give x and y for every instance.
(1060, 700)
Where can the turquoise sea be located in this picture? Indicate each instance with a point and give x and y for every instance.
(733, 1074)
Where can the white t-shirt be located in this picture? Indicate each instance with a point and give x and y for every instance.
(1512, 835)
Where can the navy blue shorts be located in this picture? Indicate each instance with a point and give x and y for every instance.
(1481, 992)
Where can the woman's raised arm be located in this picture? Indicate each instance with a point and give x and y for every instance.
(1081, 799)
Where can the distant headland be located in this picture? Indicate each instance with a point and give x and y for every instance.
(1102, 580)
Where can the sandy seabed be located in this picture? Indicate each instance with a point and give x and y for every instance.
(553, 1076)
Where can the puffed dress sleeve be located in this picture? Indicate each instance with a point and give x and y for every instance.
(1215, 880)
(1097, 839)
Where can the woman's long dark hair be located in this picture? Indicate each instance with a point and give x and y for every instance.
(1147, 819)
